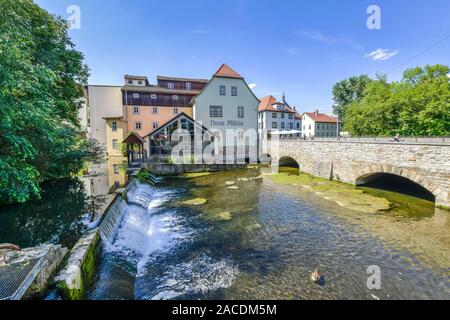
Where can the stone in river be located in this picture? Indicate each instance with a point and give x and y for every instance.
(230, 183)
(233, 188)
(195, 202)
(223, 216)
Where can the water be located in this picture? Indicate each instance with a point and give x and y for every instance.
(264, 240)
(67, 208)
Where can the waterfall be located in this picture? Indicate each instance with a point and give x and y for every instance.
(109, 224)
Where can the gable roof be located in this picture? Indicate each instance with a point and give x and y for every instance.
(321, 117)
(268, 104)
(133, 137)
(226, 72)
(182, 114)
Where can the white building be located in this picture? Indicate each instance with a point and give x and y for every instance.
(225, 103)
(275, 116)
(102, 102)
(318, 125)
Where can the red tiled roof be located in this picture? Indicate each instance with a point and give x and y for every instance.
(321, 117)
(226, 71)
(267, 104)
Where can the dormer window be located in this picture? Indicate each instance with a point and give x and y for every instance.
(175, 97)
(135, 95)
(188, 85)
(153, 97)
(170, 85)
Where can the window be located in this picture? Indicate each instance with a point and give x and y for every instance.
(170, 85)
(114, 126)
(223, 90)
(274, 115)
(215, 111)
(136, 110)
(241, 134)
(130, 81)
(282, 125)
(135, 95)
(298, 125)
(240, 112)
(309, 127)
(153, 97)
(175, 111)
(282, 116)
(154, 110)
(138, 126)
(274, 125)
(115, 144)
(291, 116)
(291, 125)
(188, 86)
(140, 82)
(234, 91)
(175, 97)
(155, 125)
(116, 168)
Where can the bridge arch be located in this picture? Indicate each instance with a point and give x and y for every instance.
(287, 161)
(382, 175)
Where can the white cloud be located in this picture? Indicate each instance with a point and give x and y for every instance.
(252, 85)
(292, 50)
(381, 54)
(318, 36)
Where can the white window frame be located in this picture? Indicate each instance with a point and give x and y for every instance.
(155, 125)
(234, 91)
(215, 111)
(155, 110)
(138, 110)
(241, 112)
(223, 90)
(175, 97)
(170, 85)
(188, 86)
(176, 111)
(138, 125)
(136, 95)
(114, 126)
(153, 96)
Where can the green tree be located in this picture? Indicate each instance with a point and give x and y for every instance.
(418, 105)
(348, 91)
(41, 86)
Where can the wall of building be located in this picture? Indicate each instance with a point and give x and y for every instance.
(119, 135)
(425, 164)
(146, 117)
(104, 101)
(245, 98)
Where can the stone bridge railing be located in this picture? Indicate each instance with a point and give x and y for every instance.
(424, 162)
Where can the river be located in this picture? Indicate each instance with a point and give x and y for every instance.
(261, 237)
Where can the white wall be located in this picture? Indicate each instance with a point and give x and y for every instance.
(211, 96)
(104, 101)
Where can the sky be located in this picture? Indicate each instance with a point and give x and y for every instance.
(298, 47)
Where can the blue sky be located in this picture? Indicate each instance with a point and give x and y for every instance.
(300, 47)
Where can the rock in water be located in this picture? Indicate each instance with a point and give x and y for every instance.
(233, 188)
(230, 183)
(195, 202)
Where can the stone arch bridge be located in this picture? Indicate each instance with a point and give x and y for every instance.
(356, 162)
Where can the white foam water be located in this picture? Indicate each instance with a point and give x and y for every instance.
(146, 229)
(198, 276)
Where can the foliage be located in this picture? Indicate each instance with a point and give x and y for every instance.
(418, 105)
(348, 91)
(143, 175)
(41, 86)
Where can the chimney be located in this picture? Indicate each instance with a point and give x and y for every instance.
(317, 112)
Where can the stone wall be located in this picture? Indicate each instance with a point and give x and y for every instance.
(351, 162)
(169, 169)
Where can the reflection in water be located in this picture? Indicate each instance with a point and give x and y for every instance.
(273, 237)
(67, 207)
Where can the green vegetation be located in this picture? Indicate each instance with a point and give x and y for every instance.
(143, 175)
(418, 105)
(41, 91)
